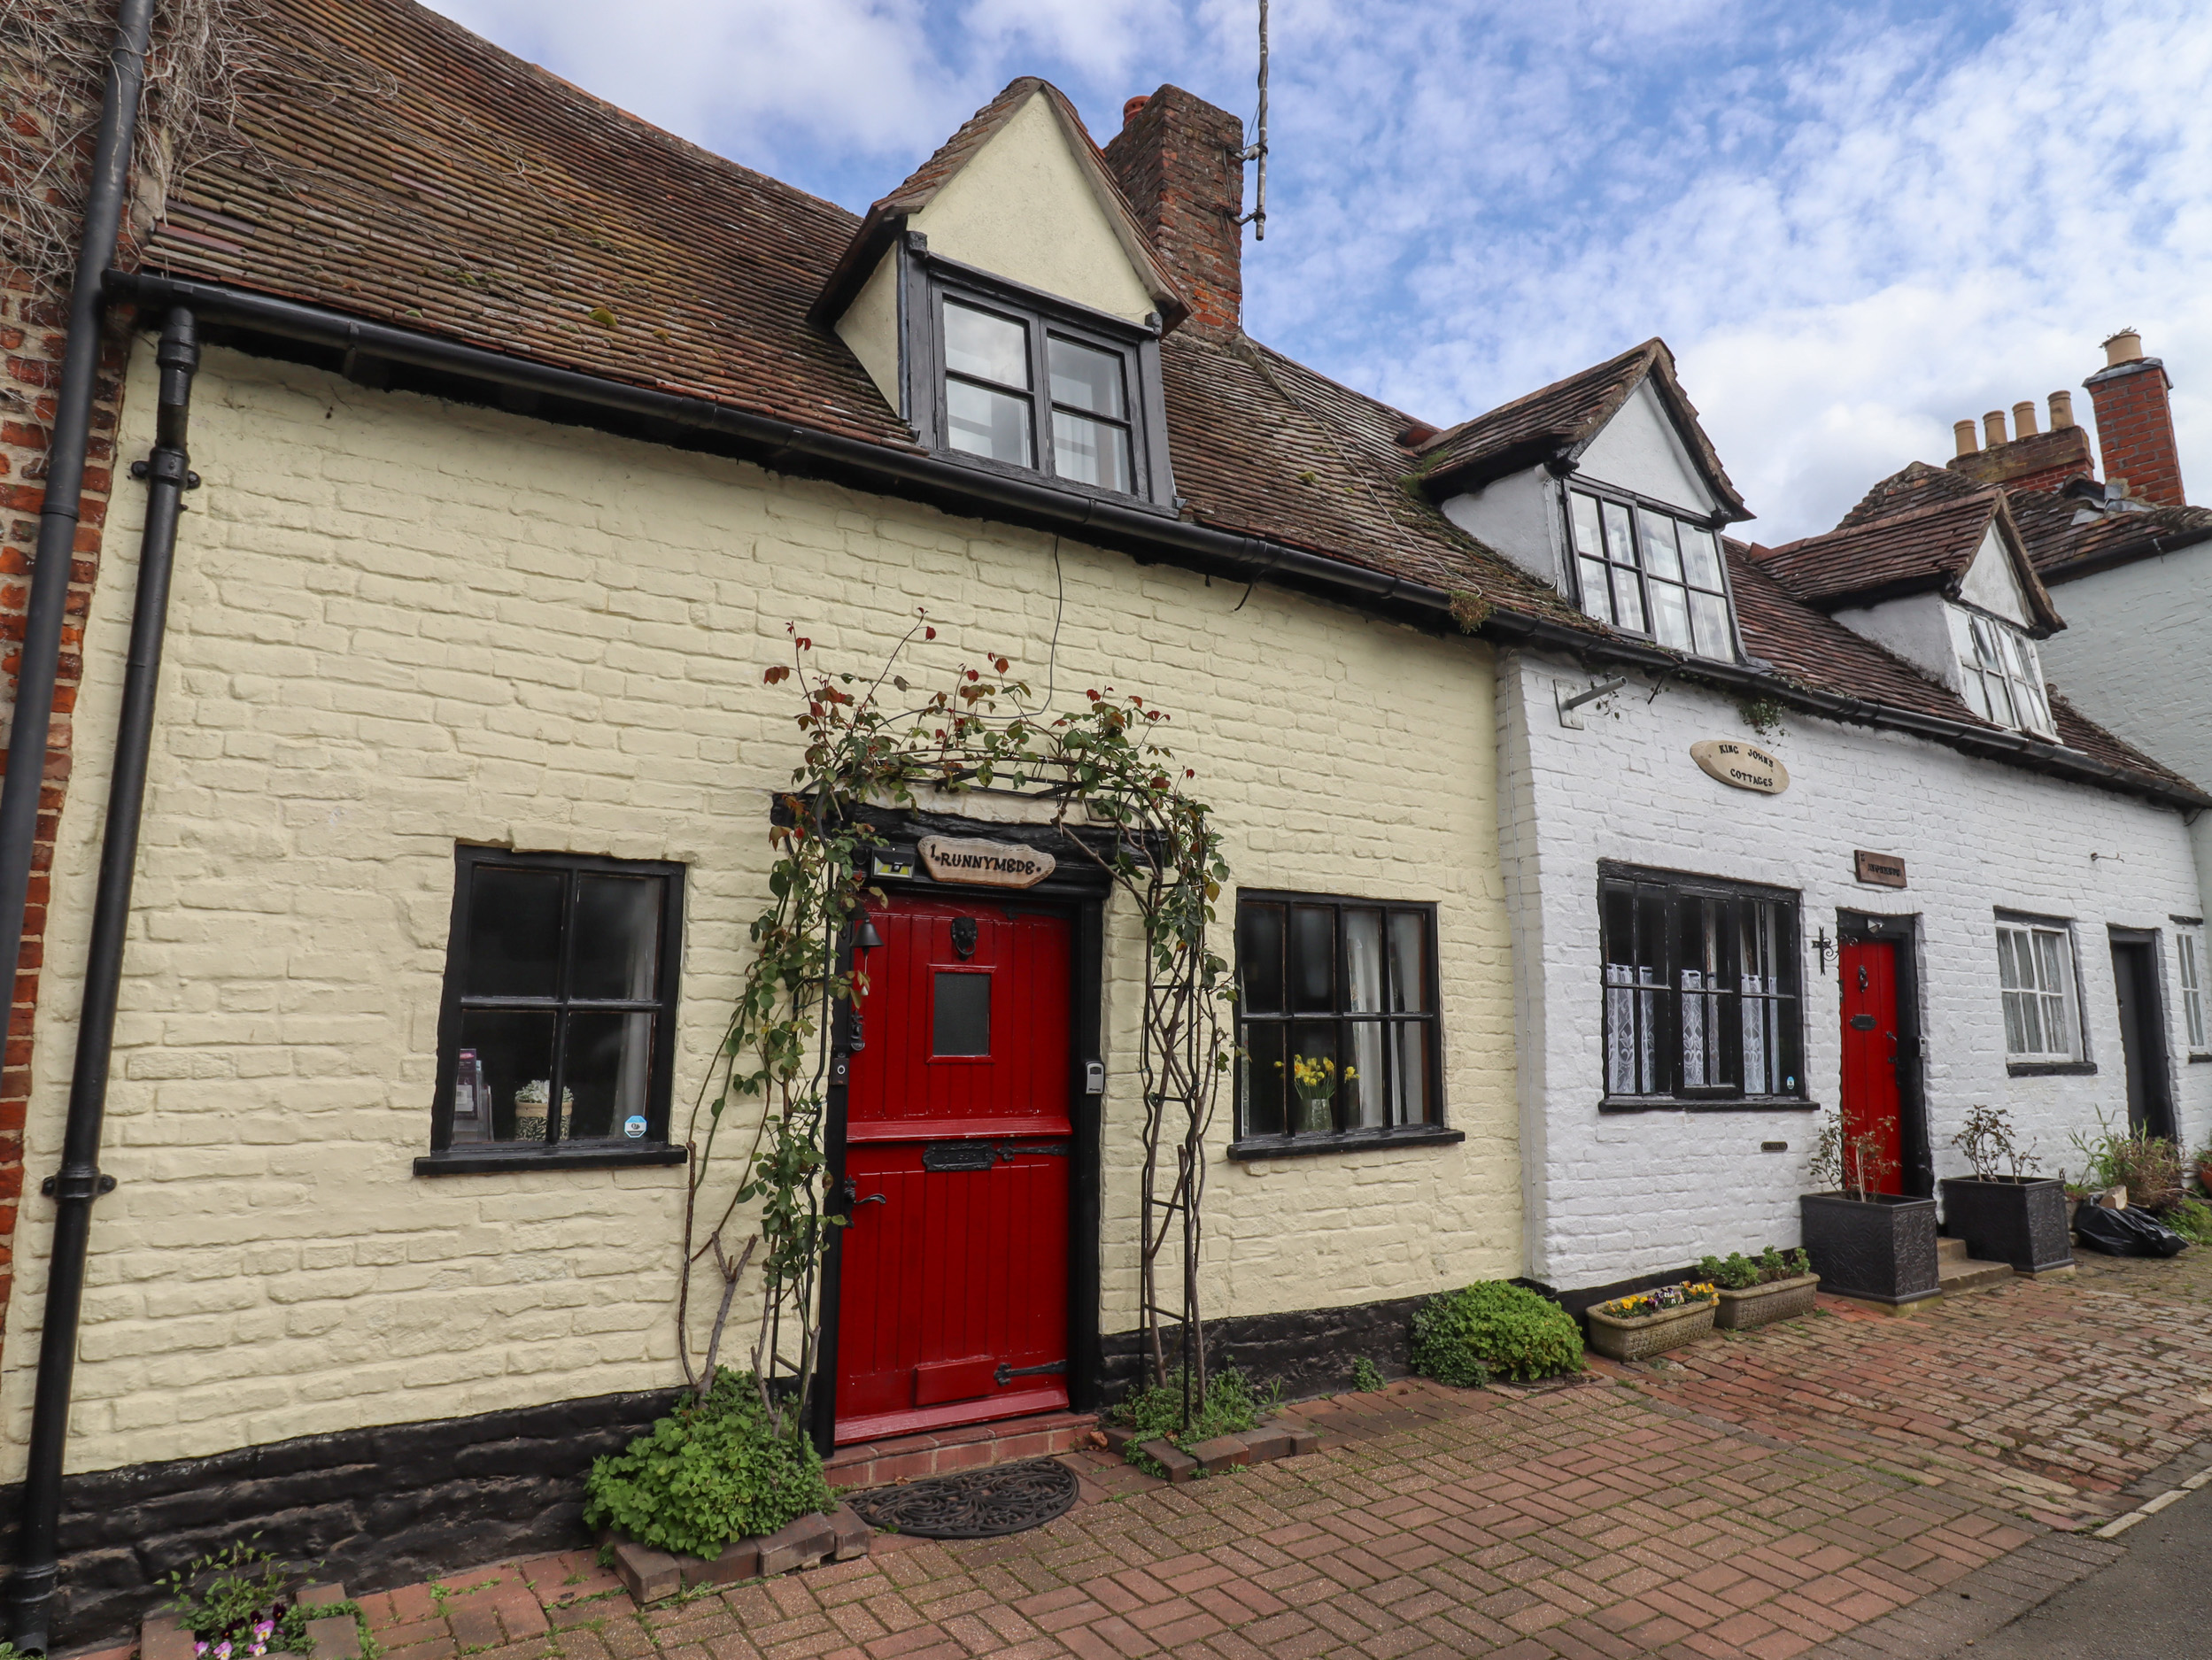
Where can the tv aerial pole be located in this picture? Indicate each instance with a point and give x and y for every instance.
(1257, 149)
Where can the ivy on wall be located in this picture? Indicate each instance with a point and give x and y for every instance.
(1121, 802)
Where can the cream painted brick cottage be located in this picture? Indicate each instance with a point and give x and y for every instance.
(527, 435)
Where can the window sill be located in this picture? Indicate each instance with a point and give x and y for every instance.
(1307, 1146)
(2050, 1068)
(1675, 1104)
(2196, 1058)
(487, 1161)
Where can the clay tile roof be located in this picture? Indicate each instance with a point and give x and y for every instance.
(2067, 535)
(1557, 422)
(1915, 532)
(887, 216)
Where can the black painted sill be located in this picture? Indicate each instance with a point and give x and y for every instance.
(2196, 1058)
(2050, 1068)
(1306, 1146)
(1740, 1104)
(479, 1161)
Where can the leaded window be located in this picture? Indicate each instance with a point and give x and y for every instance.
(2035, 970)
(2000, 675)
(1649, 572)
(1336, 1017)
(1701, 990)
(2190, 944)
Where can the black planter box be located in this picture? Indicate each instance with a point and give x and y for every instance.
(1881, 1248)
(2016, 1219)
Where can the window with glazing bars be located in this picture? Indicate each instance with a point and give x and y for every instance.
(1701, 990)
(2035, 970)
(1650, 573)
(2190, 944)
(1336, 1015)
(1024, 392)
(2001, 672)
(560, 1000)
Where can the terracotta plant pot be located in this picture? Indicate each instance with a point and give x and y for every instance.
(1649, 1334)
(2016, 1219)
(1763, 1305)
(1879, 1249)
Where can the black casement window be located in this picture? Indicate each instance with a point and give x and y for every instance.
(556, 1035)
(1013, 380)
(1337, 1021)
(1650, 571)
(1701, 988)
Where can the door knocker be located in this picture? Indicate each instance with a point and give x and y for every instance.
(963, 937)
(1862, 977)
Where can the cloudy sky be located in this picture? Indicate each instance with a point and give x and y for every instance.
(1853, 222)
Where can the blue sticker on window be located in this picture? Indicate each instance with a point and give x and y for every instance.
(634, 1126)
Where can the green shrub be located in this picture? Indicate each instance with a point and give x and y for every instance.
(1367, 1376)
(2192, 1218)
(1232, 1404)
(1492, 1329)
(1738, 1272)
(709, 1472)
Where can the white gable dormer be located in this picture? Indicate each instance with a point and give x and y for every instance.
(1993, 583)
(1640, 452)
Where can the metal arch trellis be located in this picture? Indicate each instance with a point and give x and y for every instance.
(1156, 843)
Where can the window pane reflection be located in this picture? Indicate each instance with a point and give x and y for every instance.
(617, 937)
(1090, 452)
(609, 1062)
(514, 932)
(989, 348)
(514, 1049)
(987, 423)
(1085, 379)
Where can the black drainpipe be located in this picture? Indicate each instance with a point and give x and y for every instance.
(167, 474)
(64, 473)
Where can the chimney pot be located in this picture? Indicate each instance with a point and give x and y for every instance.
(2061, 410)
(2023, 419)
(2135, 422)
(2124, 347)
(1130, 106)
(1993, 428)
(1963, 431)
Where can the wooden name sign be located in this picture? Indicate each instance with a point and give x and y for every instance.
(1883, 871)
(1741, 766)
(988, 864)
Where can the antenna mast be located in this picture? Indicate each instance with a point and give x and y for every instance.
(1257, 151)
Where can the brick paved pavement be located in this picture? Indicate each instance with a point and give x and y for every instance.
(1837, 1484)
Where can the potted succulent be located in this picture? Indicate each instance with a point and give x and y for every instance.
(2009, 1215)
(1877, 1246)
(1652, 1322)
(1756, 1291)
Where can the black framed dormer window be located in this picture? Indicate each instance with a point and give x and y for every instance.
(556, 1033)
(1647, 571)
(1011, 380)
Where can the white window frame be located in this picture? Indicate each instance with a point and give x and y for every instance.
(1625, 552)
(2000, 673)
(2038, 981)
(2189, 948)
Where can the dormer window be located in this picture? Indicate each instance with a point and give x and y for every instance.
(1648, 572)
(1023, 385)
(2000, 675)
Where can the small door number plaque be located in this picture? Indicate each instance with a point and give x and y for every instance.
(1883, 870)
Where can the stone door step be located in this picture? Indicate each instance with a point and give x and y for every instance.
(1964, 1273)
(941, 1452)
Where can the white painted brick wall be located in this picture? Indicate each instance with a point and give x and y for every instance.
(1613, 1195)
(398, 624)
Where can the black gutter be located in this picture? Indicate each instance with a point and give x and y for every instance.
(168, 476)
(64, 502)
(1145, 534)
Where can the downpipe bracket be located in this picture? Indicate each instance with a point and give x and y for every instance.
(166, 466)
(77, 1184)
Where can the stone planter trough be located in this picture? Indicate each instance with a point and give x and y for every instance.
(2016, 1219)
(1649, 1334)
(1880, 1249)
(1763, 1305)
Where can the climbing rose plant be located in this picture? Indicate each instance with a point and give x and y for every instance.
(1122, 802)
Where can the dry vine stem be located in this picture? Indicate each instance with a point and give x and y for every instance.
(1157, 847)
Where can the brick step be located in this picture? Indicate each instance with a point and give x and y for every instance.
(971, 1446)
(1963, 1273)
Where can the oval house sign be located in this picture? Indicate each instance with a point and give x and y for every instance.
(1741, 766)
(991, 864)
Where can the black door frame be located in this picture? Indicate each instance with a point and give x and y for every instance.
(2150, 989)
(1918, 1178)
(1077, 890)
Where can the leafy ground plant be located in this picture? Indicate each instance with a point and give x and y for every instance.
(1233, 1403)
(2188, 1216)
(708, 1473)
(1367, 1376)
(240, 1603)
(2149, 1166)
(1491, 1329)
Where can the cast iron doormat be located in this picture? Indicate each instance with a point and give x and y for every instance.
(974, 1503)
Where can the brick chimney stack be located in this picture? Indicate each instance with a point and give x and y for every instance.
(1178, 159)
(2027, 460)
(2135, 427)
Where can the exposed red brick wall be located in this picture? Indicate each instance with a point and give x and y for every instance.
(2043, 460)
(1177, 160)
(33, 331)
(2135, 429)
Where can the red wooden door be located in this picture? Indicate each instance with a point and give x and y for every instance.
(952, 1285)
(1870, 1101)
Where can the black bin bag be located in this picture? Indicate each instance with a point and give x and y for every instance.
(2128, 1232)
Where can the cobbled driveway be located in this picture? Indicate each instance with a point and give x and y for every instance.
(1851, 1484)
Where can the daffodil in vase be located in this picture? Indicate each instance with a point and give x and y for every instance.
(1313, 1077)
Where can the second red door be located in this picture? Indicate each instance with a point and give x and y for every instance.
(1871, 1111)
